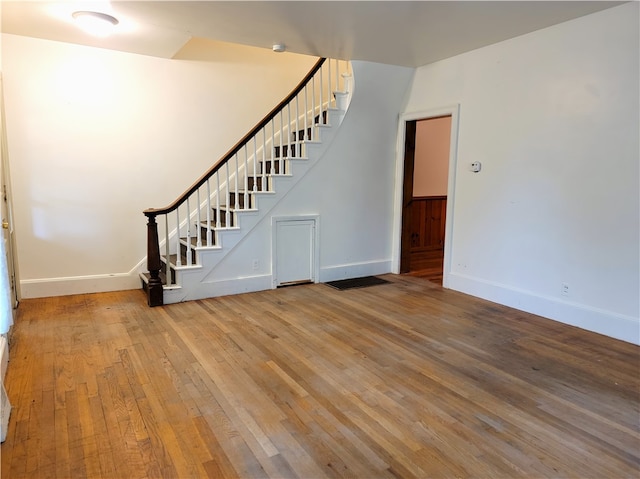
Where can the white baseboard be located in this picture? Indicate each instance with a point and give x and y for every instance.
(4, 357)
(213, 289)
(5, 406)
(354, 270)
(46, 287)
(252, 284)
(614, 325)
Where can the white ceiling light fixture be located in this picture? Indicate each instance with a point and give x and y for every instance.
(95, 23)
(279, 47)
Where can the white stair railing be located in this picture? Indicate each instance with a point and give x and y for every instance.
(212, 203)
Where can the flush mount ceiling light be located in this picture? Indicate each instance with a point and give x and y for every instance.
(95, 23)
(279, 47)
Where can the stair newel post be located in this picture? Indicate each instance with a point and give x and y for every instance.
(155, 294)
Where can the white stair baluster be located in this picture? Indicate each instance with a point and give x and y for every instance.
(167, 250)
(236, 195)
(281, 159)
(255, 173)
(306, 114)
(227, 196)
(198, 221)
(313, 107)
(188, 233)
(178, 256)
(321, 120)
(246, 179)
(264, 157)
(208, 213)
(298, 139)
(329, 82)
(217, 199)
(273, 144)
(289, 130)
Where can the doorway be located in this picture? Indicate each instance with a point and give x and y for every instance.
(424, 199)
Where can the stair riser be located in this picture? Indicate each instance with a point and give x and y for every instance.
(203, 233)
(183, 254)
(265, 167)
(241, 200)
(163, 270)
(300, 135)
(223, 218)
(289, 151)
(324, 118)
(257, 181)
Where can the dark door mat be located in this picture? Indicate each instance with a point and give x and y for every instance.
(356, 282)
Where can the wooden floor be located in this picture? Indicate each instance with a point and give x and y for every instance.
(398, 380)
(427, 265)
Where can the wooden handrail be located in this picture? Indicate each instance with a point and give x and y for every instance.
(152, 212)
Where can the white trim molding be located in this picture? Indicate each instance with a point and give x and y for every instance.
(614, 325)
(98, 283)
(454, 111)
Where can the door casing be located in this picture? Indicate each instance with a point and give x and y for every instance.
(406, 127)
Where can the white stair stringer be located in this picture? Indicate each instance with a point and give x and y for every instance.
(194, 282)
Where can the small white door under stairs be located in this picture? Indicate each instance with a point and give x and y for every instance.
(295, 259)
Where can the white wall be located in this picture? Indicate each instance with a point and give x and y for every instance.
(553, 117)
(97, 136)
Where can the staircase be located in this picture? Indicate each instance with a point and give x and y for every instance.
(209, 219)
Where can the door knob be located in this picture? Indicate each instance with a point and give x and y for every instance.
(5, 224)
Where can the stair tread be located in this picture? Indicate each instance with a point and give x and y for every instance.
(172, 262)
(203, 244)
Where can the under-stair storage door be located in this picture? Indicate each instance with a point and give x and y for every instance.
(295, 259)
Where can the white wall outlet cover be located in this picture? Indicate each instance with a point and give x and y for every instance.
(476, 166)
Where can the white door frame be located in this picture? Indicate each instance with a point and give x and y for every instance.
(315, 261)
(7, 211)
(454, 111)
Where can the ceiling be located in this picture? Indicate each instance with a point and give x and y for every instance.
(401, 33)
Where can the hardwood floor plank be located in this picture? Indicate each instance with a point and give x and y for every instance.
(404, 379)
